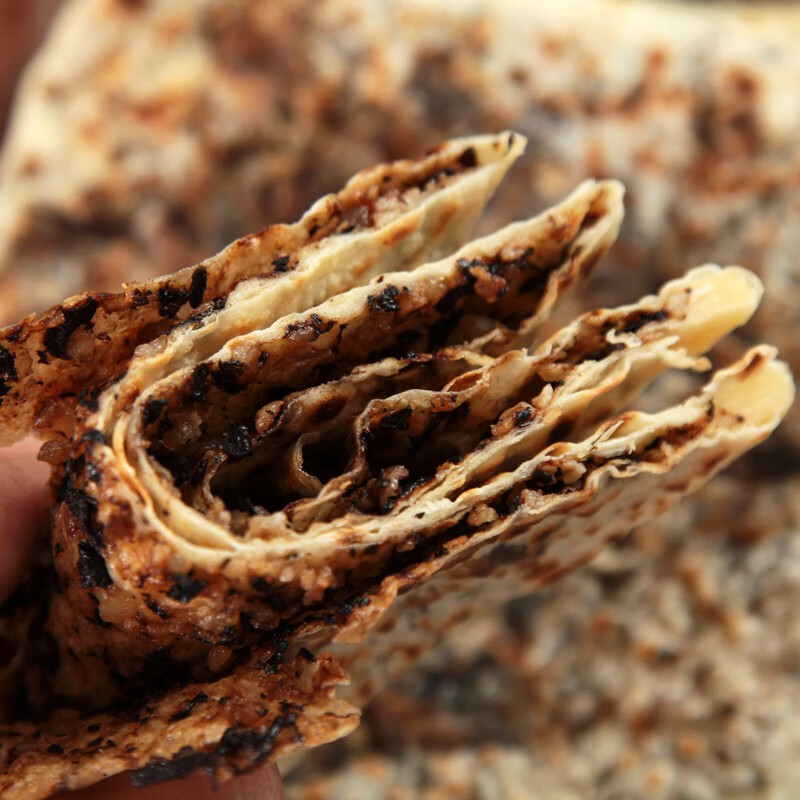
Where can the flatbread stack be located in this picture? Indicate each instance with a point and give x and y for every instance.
(306, 460)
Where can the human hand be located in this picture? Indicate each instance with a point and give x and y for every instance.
(23, 513)
(263, 784)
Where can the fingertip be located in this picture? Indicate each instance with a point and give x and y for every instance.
(23, 509)
(262, 784)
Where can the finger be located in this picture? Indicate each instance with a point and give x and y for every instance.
(263, 784)
(23, 510)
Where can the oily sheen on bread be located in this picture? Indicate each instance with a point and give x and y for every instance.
(306, 460)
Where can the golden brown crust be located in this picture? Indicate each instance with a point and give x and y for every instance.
(225, 727)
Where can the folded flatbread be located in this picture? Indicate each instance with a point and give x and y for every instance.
(313, 455)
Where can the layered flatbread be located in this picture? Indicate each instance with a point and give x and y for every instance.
(331, 449)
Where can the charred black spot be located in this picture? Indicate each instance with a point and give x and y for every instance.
(189, 706)
(307, 655)
(95, 742)
(8, 371)
(509, 502)
(346, 608)
(185, 588)
(55, 749)
(198, 385)
(88, 398)
(170, 300)
(92, 728)
(162, 769)
(84, 508)
(397, 420)
(281, 263)
(139, 298)
(219, 303)
(258, 742)
(469, 158)
(643, 318)
(227, 376)
(236, 443)
(56, 338)
(197, 288)
(466, 264)
(92, 567)
(153, 408)
(320, 325)
(157, 609)
(523, 417)
(385, 300)
(311, 328)
(94, 435)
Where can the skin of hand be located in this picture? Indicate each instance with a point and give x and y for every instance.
(23, 516)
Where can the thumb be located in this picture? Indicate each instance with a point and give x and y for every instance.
(263, 784)
(23, 508)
